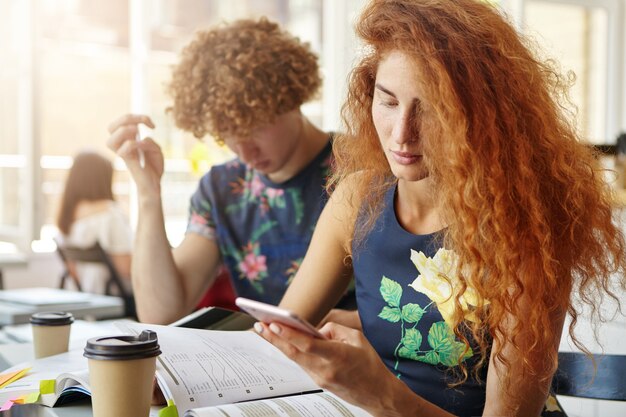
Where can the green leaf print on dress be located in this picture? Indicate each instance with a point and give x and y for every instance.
(437, 280)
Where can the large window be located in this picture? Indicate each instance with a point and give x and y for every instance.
(583, 36)
(69, 67)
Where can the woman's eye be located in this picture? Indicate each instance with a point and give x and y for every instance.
(388, 103)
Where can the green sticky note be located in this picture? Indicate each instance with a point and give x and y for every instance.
(169, 411)
(31, 398)
(46, 386)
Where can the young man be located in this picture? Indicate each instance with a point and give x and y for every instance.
(243, 84)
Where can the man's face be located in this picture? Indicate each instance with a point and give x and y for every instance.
(270, 148)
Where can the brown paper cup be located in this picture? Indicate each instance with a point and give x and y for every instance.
(121, 388)
(50, 340)
(121, 373)
(51, 332)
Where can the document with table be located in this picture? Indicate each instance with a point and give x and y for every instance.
(204, 373)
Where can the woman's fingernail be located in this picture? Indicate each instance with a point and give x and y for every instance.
(275, 328)
(258, 327)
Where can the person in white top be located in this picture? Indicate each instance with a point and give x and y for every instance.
(88, 214)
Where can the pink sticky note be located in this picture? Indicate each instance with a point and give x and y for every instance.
(6, 405)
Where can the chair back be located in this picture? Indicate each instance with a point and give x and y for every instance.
(575, 376)
(96, 254)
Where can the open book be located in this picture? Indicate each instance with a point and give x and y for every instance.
(50, 381)
(236, 373)
(202, 373)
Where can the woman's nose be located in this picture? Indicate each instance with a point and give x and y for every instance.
(401, 132)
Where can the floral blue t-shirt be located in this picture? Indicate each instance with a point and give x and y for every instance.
(263, 229)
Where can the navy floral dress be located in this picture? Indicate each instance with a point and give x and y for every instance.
(406, 311)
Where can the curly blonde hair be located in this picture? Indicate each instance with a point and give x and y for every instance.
(528, 211)
(238, 76)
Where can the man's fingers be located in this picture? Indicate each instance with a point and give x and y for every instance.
(128, 152)
(120, 135)
(130, 119)
(149, 145)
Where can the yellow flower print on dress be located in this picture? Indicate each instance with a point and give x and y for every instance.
(438, 280)
(439, 346)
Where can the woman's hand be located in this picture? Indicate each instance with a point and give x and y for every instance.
(345, 364)
(348, 318)
(123, 141)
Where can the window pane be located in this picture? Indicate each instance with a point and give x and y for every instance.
(14, 80)
(579, 42)
(84, 83)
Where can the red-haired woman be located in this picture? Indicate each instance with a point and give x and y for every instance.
(469, 211)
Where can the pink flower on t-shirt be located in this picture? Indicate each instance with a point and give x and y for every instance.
(256, 186)
(252, 265)
(198, 219)
(272, 193)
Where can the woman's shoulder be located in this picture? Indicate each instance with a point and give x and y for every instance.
(87, 211)
(87, 208)
(344, 200)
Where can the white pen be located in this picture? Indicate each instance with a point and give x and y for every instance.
(141, 134)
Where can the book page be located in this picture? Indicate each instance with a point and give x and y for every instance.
(310, 405)
(199, 368)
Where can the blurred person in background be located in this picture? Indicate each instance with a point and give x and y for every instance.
(88, 214)
(243, 84)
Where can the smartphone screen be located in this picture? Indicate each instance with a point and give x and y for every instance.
(268, 313)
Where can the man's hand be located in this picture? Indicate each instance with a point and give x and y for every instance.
(123, 141)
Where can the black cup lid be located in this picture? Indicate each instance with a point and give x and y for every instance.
(52, 318)
(124, 347)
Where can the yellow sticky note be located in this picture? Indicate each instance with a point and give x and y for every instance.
(169, 411)
(31, 398)
(46, 386)
(20, 400)
(6, 379)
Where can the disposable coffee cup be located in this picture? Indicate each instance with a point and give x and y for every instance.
(51, 332)
(121, 374)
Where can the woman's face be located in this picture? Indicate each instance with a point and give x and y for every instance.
(396, 112)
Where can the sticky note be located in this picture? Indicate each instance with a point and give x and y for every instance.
(6, 405)
(46, 386)
(169, 411)
(6, 379)
(31, 398)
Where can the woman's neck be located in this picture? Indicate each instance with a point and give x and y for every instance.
(415, 207)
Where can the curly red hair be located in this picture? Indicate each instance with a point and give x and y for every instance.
(238, 76)
(527, 208)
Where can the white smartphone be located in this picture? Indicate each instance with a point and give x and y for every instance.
(268, 313)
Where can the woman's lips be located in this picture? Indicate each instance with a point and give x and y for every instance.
(405, 158)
